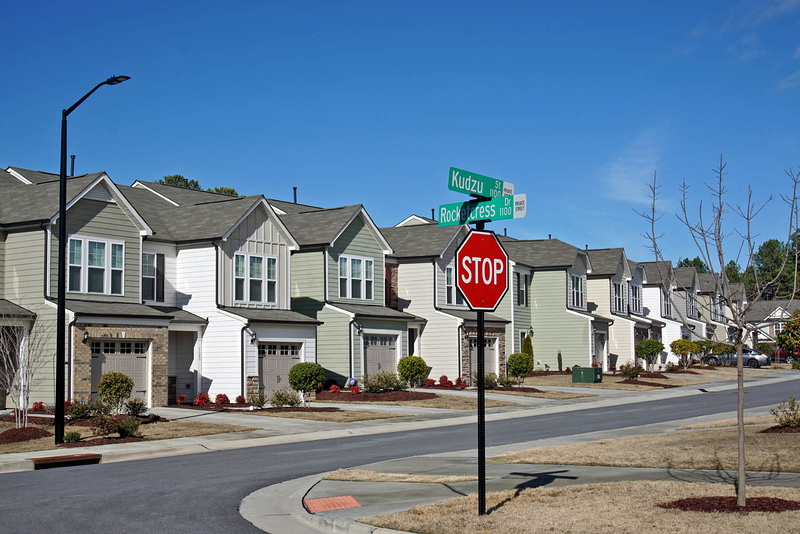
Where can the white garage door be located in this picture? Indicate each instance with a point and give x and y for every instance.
(126, 357)
(380, 354)
(489, 356)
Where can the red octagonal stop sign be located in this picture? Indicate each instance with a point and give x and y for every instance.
(482, 270)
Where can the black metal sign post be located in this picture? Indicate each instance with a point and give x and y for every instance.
(481, 412)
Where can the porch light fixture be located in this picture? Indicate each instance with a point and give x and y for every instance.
(253, 337)
(530, 332)
(61, 316)
(85, 338)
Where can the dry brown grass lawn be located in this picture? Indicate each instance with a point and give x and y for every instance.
(338, 416)
(153, 431)
(609, 382)
(613, 508)
(446, 402)
(362, 475)
(692, 449)
(722, 423)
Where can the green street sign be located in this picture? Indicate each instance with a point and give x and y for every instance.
(477, 185)
(496, 209)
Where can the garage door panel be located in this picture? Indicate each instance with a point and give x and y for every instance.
(380, 354)
(489, 356)
(131, 365)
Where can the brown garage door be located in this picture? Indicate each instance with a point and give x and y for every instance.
(275, 361)
(126, 357)
(380, 354)
(488, 356)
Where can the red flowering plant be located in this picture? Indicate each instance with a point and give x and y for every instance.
(202, 399)
(181, 399)
(444, 381)
(221, 399)
(336, 389)
(430, 382)
(38, 407)
(355, 390)
(240, 399)
(460, 383)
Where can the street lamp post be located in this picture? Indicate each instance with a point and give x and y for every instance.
(61, 318)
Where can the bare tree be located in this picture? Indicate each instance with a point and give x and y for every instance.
(22, 357)
(712, 241)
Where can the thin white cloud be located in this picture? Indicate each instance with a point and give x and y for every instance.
(746, 48)
(627, 175)
(797, 53)
(790, 82)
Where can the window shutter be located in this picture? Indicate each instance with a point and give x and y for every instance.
(159, 278)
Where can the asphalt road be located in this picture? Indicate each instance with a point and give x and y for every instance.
(201, 493)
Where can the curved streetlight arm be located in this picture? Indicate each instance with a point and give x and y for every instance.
(114, 80)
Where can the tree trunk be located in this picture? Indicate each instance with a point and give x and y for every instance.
(741, 482)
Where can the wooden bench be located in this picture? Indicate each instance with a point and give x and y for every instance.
(49, 462)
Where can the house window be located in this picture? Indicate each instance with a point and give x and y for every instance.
(126, 348)
(619, 298)
(139, 347)
(280, 349)
(522, 289)
(635, 293)
(96, 266)
(153, 277)
(356, 278)
(779, 326)
(666, 304)
(453, 296)
(255, 278)
(577, 294)
(691, 306)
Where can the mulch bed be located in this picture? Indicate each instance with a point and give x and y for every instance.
(652, 374)
(15, 435)
(728, 505)
(32, 419)
(781, 430)
(645, 383)
(389, 396)
(438, 386)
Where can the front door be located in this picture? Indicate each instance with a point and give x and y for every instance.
(126, 357)
(275, 361)
(380, 354)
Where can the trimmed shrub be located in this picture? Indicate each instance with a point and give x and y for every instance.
(461, 383)
(259, 400)
(430, 382)
(86, 410)
(649, 350)
(444, 381)
(380, 382)
(355, 390)
(306, 377)
(38, 407)
(335, 389)
(630, 371)
(527, 346)
(103, 425)
(787, 413)
(135, 407)
(560, 362)
(181, 399)
(129, 427)
(221, 399)
(505, 381)
(489, 380)
(202, 399)
(114, 389)
(240, 399)
(284, 397)
(412, 369)
(72, 436)
(520, 365)
(671, 367)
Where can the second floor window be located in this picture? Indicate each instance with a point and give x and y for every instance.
(619, 298)
(691, 306)
(522, 289)
(355, 278)
(577, 294)
(635, 293)
(153, 277)
(96, 266)
(667, 305)
(453, 295)
(255, 278)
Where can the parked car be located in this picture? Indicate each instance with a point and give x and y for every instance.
(750, 357)
(781, 355)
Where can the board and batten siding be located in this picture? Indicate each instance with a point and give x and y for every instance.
(356, 240)
(439, 337)
(257, 234)
(555, 328)
(170, 271)
(221, 368)
(103, 220)
(2, 261)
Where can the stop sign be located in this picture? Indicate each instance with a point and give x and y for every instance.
(482, 270)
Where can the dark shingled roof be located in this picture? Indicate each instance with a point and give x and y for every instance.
(37, 177)
(271, 316)
(684, 276)
(708, 282)
(38, 203)
(115, 309)
(376, 312)
(420, 240)
(657, 272)
(541, 253)
(759, 311)
(9, 309)
(318, 227)
(180, 316)
(291, 207)
(183, 195)
(606, 261)
(473, 316)
(8, 180)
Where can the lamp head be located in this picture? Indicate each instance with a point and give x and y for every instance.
(114, 80)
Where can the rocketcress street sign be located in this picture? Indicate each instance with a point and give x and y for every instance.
(482, 270)
(496, 209)
(478, 185)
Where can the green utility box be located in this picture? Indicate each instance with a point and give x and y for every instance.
(587, 375)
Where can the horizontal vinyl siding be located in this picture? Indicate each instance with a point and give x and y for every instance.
(170, 271)
(554, 327)
(103, 220)
(2, 262)
(356, 240)
(221, 344)
(438, 342)
(651, 301)
(522, 314)
(257, 234)
(308, 278)
(333, 344)
(24, 268)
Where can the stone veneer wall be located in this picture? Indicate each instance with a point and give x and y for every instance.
(82, 356)
(252, 386)
(472, 331)
(392, 289)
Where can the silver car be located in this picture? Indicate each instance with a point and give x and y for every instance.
(750, 357)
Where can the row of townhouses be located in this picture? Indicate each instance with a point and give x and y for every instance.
(189, 291)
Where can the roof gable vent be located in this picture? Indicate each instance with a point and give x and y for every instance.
(100, 193)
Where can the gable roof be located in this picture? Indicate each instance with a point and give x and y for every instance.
(7, 179)
(657, 272)
(183, 196)
(414, 219)
(283, 207)
(709, 282)
(543, 253)
(760, 312)
(322, 227)
(421, 240)
(685, 277)
(609, 262)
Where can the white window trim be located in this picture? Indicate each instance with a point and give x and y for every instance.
(618, 299)
(107, 268)
(452, 294)
(635, 298)
(572, 292)
(265, 280)
(349, 277)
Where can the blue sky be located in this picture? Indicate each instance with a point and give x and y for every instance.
(577, 103)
